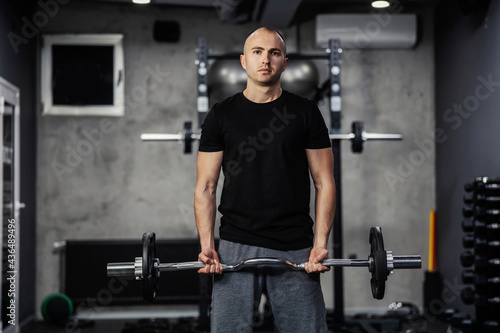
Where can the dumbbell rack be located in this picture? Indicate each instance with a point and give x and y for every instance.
(481, 259)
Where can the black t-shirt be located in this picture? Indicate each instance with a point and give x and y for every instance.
(266, 192)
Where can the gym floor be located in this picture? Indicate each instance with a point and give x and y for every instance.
(162, 326)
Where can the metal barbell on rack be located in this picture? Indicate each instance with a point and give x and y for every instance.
(357, 137)
(380, 264)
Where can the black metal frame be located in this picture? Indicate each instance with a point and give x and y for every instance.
(335, 104)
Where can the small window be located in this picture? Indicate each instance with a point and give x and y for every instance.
(82, 75)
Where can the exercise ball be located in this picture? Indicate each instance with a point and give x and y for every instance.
(226, 78)
(300, 77)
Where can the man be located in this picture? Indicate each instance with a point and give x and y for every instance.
(267, 141)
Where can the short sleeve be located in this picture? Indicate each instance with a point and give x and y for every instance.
(211, 139)
(317, 132)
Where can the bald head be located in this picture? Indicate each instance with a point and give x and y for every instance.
(265, 30)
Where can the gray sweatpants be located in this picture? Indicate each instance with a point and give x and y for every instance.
(295, 296)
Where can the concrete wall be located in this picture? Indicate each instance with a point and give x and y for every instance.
(467, 55)
(125, 187)
(391, 184)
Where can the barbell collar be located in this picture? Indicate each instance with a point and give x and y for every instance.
(138, 268)
(390, 261)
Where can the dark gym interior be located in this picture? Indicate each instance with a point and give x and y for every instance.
(414, 84)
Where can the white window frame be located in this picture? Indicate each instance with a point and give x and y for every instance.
(115, 40)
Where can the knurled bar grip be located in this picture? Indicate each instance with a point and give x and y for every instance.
(399, 262)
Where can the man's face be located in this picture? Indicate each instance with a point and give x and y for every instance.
(263, 57)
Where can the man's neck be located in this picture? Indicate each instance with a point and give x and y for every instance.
(262, 94)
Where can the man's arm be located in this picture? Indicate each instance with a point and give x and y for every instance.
(321, 166)
(208, 169)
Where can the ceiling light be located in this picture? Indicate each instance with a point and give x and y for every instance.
(142, 2)
(380, 4)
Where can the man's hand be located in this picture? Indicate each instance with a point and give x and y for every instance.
(211, 260)
(317, 255)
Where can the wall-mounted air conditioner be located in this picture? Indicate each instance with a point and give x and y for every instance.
(361, 31)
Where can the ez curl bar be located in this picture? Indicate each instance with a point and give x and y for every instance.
(380, 264)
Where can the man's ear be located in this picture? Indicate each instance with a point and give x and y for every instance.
(242, 61)
(284, 65)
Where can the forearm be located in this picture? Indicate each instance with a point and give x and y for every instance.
(325, 212)
(205, 211)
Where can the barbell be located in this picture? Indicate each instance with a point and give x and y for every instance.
(380, 264)
(357, 137)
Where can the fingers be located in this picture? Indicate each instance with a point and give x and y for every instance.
(212, 264)
(315, 259)
(315, 267)
(214, 268)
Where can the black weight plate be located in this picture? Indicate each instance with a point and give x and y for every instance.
(378, 257)
(357, 141)
(150, 280)
(188, 141)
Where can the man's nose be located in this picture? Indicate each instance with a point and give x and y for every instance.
(265, 58)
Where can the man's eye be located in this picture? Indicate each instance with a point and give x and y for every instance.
(256, 51)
